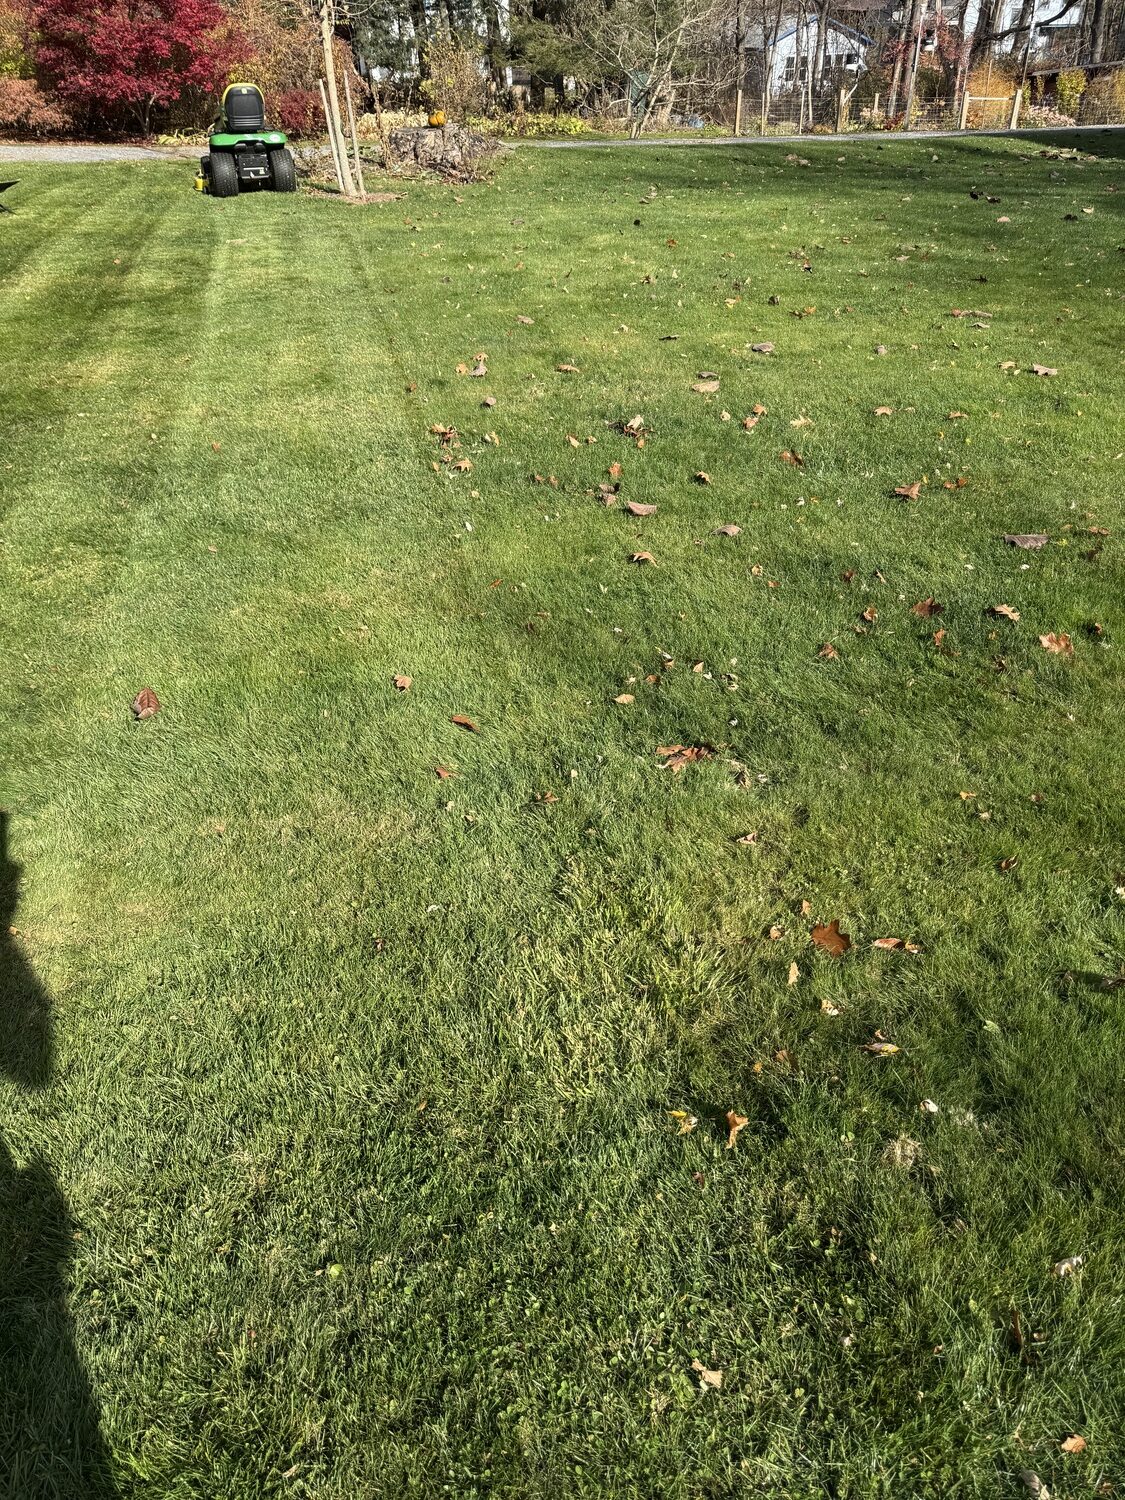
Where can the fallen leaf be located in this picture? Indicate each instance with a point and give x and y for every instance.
(909, 491)
(955, 484)
(1060, 645)
(1035, 1485)
(884, 411)
(1073, 1444)
(463, 722)
(1009, 863)
(701, 477)
(479, 370)
(686, 1122)
(957, 416)
(527, 322)
(145, 704)
(776, 932)
(1005, 611)
(927, 607)
(443, 773)
(635, 508)
(705, 387)
(1030, 541)
(831, 939)
(735, 1123)
(403, 683)
(880, 1047)
(572, 440)
(794, 973)
(676, 757)
(750, 422)
(1069, 1266)
(789, 457)
(747, 838)
(614, 471)
(641, 558)
(624, 698)
(928, 1107)
(870, 614)
(712, 1378)
(939, 636)
(801, 422)
(462, 465)
(827, 1008)
(761, 348)
(881, 349)
(215, 447)
(489, 401)
(568, 369)
(828, 652)
(1043, 370)
(893, 943)
(730, 529)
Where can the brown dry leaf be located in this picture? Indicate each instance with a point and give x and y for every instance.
(462, 465)
(955, 484)
(676, 757)
(1073, 1444)
(761, 348)
(215, 447)
(750, 422)
(939, 636)
(758, 409)
(828, 652)
(1060, 645)
(1030, 541)
(831, 939)
(568, 369)
(1009, 863)
(895, 943)
(870, 614)
(909, 491)
(775, 933)
(402, 682)
(789, 457)
(801, 422)
(730, 529)
(705, 387)
(806, 908)
(701, 477)
(1043, 370)
(880, 1047)
(884, 411)
(927, 607)
(489, 401)
(479, 370)
(145, 704)
(461, 369)
(640, 558)
(794, 973)
(686, 1122)
(635, 508)
(828, 1009)
(464, 722)
(847, 576)
(624, 698)
(443, 773)
(747, 838)
(527, 322)
(1005, 611)
(957, 416)
(735, 1123)
(572, 440)
(712, 1378)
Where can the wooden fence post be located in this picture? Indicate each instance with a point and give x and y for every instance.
(1017, 101)
(841, 110)
(963, 119)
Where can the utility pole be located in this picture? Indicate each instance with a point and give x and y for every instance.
(914, 69)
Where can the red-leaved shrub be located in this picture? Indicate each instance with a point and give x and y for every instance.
(26, 110)
(297, 111)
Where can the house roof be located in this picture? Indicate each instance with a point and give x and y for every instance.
(834, 25)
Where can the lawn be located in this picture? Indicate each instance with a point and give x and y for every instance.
(341, 1155)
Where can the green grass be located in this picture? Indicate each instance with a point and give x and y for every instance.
(341, 1161)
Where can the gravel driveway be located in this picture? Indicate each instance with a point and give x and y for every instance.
(24, 152)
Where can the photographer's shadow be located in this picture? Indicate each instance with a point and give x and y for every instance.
(51, 1446)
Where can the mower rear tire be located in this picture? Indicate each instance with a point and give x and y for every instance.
(283, 173)
(223, 174)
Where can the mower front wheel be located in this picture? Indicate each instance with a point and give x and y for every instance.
(283, 174)
(223, 174)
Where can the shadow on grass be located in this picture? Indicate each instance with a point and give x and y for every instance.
(50, 1438)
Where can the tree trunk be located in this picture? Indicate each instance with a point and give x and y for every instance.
(821, 43)
(326, 20)
(1096, 51)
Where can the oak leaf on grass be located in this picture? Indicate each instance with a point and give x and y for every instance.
(464, 722)
(1059, 645)
(735, 1123)
(909, 491)
(831, 939)
(145, 704)
(676, 757)
(402, 682)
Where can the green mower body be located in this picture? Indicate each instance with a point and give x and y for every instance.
(242, 152)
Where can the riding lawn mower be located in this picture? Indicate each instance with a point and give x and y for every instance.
(243, 153)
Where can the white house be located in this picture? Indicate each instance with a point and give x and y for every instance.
(794, 53)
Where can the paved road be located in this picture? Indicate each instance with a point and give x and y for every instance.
(46, 153)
